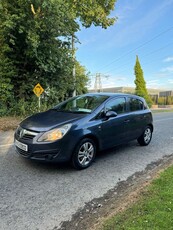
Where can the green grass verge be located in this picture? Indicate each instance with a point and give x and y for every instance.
(153, 211)
(161, 110)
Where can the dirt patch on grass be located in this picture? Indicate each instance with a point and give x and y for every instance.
(9, 123)
(117, 199)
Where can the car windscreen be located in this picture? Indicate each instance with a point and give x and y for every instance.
(81, 104)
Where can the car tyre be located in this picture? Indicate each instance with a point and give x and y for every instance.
(84, 154)
(146, 136)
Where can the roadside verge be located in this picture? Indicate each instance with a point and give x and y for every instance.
(116, 200)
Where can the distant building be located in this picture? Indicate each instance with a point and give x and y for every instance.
(166, 93)
(116, 90)
(152, 92)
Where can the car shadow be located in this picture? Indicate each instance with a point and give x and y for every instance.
(115, 150)
(50, 165)
(64, 166)
(17, 162)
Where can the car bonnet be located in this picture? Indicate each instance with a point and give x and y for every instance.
(50, 119)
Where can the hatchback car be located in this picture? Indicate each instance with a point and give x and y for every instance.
(77, 128)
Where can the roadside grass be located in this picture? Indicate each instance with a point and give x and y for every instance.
(9, 123)
(161, 110)
(153, 210)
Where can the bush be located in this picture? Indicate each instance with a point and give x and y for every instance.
(24, 108)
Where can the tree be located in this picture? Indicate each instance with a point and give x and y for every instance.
(31, 45)
(92, 12)
(141, 89)
(66, 89)
(35, 43)
(170, 100)
(82, 79)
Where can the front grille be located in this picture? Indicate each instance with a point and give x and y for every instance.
(24, 134)
(22, 152)
(27, 137)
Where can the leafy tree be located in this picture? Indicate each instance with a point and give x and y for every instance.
(161, 101)
(29, 35)
(141, 89)
(66, 89)
(92, 12)
(35, 44)
(82, 78)
(170, 100)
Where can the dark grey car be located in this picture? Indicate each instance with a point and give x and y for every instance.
(77, 128)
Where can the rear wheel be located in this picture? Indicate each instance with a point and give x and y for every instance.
(145, 138)
(84, 154)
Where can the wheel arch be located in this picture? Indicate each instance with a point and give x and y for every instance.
(74, 160)
(152, 127)
(90, 136)
(94, 138)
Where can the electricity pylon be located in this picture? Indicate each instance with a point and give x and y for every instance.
(98, 82)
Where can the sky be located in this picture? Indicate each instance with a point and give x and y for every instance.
(143, 28)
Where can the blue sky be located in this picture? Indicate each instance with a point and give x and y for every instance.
(143, 28)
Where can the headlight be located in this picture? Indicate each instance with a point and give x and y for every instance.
(55, 134)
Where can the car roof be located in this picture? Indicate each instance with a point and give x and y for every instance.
(114, 95)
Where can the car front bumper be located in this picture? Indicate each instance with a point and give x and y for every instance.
(58, 151)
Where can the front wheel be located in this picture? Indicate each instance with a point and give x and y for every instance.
(145, 138)
(84, 154)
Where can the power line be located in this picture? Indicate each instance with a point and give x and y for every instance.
(148, 54)
(140, 46)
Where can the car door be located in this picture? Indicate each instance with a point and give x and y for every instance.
(113, 128)
(136, 121)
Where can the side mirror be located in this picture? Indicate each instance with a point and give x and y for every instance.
(111, 114)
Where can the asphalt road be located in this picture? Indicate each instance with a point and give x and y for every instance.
(35, 196)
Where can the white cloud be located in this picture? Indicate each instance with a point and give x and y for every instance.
(117, 81)
(168, 69)
(121, 79)
(109, 82)
(151, 82)
(154, 84)
(170, 81)
(168, 59)
(162, 75)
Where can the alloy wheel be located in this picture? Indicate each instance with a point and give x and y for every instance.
(86, 153)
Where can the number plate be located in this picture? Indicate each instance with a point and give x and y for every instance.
(21, 145)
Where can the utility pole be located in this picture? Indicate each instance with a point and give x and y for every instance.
(74, 69)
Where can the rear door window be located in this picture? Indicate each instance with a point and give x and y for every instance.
(135, 104)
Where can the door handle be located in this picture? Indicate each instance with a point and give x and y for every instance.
(126, 121)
